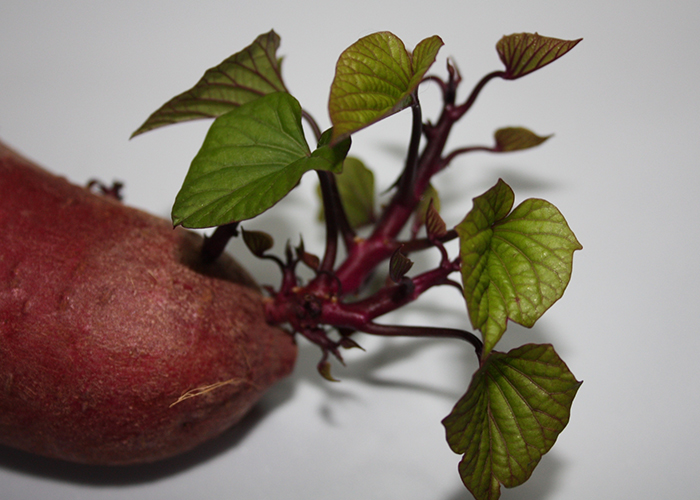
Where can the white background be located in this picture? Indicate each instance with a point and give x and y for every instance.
(76, 78)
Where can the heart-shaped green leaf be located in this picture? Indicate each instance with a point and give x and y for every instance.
(251, 158)
(245, 76)
(515, 408)
(514, 265)
(517, 138)
(374, 78)
(523, 53)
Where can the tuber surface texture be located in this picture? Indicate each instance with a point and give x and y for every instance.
(117, 345)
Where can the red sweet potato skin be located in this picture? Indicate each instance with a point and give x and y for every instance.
(105, 325)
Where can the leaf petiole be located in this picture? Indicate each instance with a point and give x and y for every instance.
(312, 123)
(407, 180)
(460, 110)
(425, 332)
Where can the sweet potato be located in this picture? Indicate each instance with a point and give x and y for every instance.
(116, 345)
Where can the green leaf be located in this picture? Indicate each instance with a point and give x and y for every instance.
(330, 156)
(514, 265)
(423, 57)
(523, 53)
(515, 408)
(245, 76)
(517, 138)
(251, 158)
(356, 188)
(374, 78)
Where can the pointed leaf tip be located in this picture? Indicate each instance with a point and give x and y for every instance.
(423, 57)
(523, 53)
(245, 76)
(251, 158)
(517, 138)
(324, 369)
(348, 343)
(515, 408)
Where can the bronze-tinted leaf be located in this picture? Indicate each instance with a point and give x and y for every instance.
(258, 242)
(245, 76)
(516, 406)
(517, 138)
(523, 53)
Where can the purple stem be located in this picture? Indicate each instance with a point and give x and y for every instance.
(425, 331)
(215, 244)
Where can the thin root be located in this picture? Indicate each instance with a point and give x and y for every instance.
(199, 391)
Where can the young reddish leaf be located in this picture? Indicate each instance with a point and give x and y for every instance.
(430, 196)
(434, 225)
(517, 138)
(374, 78)
(399, 265)
(523, 53)
(251, 158)
(245, 76)
(258, 242)
(515, 408)
(514, 265)
(310, 260)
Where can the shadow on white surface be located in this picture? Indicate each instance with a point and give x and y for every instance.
(29, 464)
(362, 370)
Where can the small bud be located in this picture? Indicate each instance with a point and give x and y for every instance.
(257, 242)
(324, 368)
(434, 225)
(399, 265)
(310, 260)
(348, 343)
